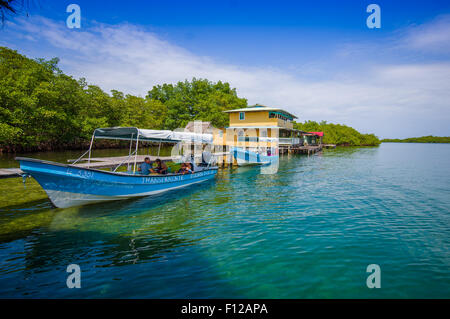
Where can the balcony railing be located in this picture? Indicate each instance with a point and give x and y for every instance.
(289, 141)
(255, 139)
(281, 140)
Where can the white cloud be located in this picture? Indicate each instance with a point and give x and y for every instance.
(433, 37)
(388, 99)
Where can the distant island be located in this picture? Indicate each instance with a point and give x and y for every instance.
(423, 139)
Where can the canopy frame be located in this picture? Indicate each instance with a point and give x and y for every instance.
(141, 135)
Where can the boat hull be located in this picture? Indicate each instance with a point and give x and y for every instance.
(68, 185)
(246, 157)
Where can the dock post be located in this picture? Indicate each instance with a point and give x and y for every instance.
(136, 153)
(90, 149)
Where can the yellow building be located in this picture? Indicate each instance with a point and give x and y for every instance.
(261, 116)
(259, 125)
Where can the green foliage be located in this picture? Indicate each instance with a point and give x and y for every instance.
(338, 134)
(7, 7)
(423, 139)
(199, 99)
(42, 108)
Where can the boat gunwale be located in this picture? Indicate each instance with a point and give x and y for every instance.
(109, 172)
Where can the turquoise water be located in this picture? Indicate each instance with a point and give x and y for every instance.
(308, 231)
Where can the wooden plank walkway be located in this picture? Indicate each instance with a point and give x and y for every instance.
(108, 162)
(10, 172)
(303, 149)
(96, 162)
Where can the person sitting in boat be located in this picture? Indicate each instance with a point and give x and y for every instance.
(182, 169)
(189, 168)
(161, 168)
(145, 167)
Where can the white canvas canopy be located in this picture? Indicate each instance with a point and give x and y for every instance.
(193, 137)
(133, 133)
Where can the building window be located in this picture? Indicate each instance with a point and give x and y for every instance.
(241, 116)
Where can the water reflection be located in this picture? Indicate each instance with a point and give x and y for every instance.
(119, 233)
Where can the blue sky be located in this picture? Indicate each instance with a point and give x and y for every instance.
(316, 59)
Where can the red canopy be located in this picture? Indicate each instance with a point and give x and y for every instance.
(317, 133)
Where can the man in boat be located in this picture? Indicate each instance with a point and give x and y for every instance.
(145, 167)
(184, 169)
(161, 168)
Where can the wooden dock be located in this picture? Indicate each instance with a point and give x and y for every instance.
(301, 149)
(109, 162)
(10, 172)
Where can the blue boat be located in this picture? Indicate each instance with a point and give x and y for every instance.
(70, 185)
(246, 157)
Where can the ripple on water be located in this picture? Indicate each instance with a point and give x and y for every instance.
(307, 232)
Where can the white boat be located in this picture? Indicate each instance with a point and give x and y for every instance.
(246, 157)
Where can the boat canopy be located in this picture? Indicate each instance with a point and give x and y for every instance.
(193, 137)
(133, 133)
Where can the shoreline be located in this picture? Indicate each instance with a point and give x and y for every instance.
(418, 142)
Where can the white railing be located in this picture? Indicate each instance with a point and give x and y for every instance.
(285, 141)
(256, 139)
(281, 140)
(289, 141)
